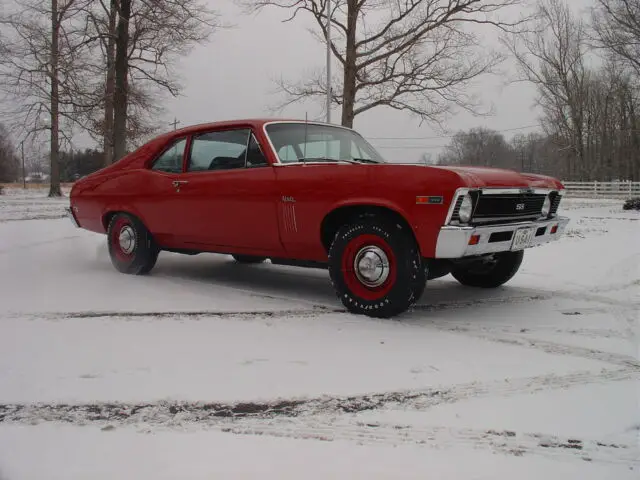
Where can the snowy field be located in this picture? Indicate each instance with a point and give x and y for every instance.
(210, 369)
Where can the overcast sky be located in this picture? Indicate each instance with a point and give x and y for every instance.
(232, 77)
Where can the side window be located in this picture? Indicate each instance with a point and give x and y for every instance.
(222, 150)
(255, 157)
(357, 152)
(287, 154)
(171, 160)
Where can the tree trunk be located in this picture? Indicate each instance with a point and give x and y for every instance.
(120, 99)
(54, 189)
(349, 81)
(110, 86)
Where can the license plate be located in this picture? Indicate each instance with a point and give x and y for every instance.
(522, 238)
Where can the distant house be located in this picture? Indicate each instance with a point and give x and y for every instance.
(37, 177)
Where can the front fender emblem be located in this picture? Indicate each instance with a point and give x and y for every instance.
(428, 200)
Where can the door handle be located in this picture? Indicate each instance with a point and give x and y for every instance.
(178, 183)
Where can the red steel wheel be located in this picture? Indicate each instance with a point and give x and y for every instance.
(122, 239)
(131, 247)
(369, 267)
(375, 267)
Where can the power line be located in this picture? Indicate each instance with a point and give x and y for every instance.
(402, 147)
(451, 136)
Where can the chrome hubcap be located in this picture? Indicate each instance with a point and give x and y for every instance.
(127, 239)
(371, 266)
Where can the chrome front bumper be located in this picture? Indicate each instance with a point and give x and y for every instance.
(69, 213)
(454, 242)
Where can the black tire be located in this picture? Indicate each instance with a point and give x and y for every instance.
(404, 281)
(143, 255)
(420, 282)
(490, 275)
(248, 259)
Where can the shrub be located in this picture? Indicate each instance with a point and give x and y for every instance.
(632, 204)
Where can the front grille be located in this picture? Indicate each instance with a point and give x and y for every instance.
(499, 208)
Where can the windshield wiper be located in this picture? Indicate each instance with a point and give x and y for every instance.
(326, 159)
(365, 160)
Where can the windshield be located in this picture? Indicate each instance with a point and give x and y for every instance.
(297, 142)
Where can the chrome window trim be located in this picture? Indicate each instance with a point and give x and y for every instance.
(278, 163)
(246, 148)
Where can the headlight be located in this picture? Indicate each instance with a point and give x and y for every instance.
(546, 206)
(466, 208)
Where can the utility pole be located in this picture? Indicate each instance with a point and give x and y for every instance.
(328, 61)
(175, 123)
(24, 177)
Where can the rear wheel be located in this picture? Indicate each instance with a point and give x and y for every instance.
(248, 259)
(491, 272)
(376, 268)
(131, 246)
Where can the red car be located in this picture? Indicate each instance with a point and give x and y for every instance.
(317, 195)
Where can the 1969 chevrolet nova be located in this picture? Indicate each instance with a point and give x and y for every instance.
(317, 195)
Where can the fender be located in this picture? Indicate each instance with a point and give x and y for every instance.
(370, 201)
(119, 207)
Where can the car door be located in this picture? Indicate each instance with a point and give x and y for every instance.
(228, 195)
(156, 196)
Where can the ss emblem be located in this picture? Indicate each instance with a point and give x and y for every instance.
(520, 206)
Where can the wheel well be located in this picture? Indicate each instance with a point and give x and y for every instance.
(343, 215)
(106, 219)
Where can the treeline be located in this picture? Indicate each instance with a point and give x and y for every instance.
(587, 76)
(99, 68)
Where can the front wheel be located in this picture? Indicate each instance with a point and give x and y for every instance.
(376, 268)
(131, 247)
(490, 272)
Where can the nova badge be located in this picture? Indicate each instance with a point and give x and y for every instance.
(288, 199)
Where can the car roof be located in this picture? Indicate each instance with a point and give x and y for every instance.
(253, 122)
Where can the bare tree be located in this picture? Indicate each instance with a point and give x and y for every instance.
(40, 70)
(478, 147)
(139, 42)
(552, 57)
(617, 27)
(9, 164)
(418, 56)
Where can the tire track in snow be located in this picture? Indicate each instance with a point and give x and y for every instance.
(546, 346)
(178, 315)
(168, 413)
(427, 307)
(506, 441)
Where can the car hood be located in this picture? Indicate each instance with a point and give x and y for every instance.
(500, 177)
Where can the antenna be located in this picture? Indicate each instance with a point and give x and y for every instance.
(304, 154)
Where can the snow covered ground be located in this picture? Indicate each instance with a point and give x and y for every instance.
(210, 369)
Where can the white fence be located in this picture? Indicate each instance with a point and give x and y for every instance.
(603, 189)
